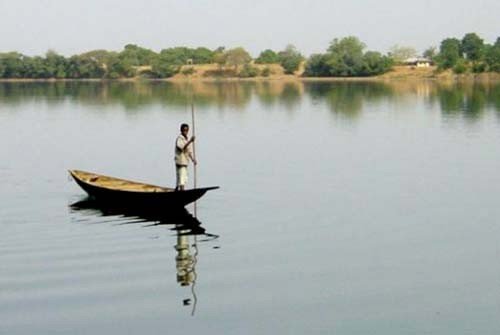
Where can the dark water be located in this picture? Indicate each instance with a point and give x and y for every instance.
(344, 208)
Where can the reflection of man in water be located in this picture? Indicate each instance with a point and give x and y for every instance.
(183, 152)
(184, 261)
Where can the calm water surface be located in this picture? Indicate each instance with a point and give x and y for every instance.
(344, 208)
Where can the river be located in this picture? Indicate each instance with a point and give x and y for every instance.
(343, 208)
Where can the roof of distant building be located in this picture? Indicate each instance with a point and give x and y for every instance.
(413, 60)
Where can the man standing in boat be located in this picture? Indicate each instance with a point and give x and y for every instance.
(183, 153)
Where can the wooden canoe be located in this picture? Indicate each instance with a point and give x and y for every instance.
(115, 190)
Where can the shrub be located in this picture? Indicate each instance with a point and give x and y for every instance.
(460, 67)
(479, 67)
(188, 71)
(495, 67)
(219, 73)
(248, 71)
(266, 72)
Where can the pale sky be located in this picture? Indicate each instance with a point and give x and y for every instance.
(75, 26)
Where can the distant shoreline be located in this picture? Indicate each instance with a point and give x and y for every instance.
(471, 79)
(397, 74)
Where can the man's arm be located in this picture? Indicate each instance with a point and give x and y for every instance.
(184, 147)
(190, 151)
(192, 158)
(191, 140)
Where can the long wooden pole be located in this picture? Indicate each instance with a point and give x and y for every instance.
(194, 148)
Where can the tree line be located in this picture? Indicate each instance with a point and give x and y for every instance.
(345, 57)
(134, 60)
(469, 54)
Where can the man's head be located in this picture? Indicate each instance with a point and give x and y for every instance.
(184, 129)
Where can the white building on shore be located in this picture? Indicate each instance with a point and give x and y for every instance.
(418, 62)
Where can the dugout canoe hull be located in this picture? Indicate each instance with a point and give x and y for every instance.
(126, 192)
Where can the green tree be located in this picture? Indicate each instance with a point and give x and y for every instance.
(11, 65)
(237, 56)
(35, 67)
(175, 56)
(317, 66)
(346, 56)
(166, 65)
(202, 55)
(267, 56)
(182, 55)
(134, 55)
(290, 59)
(492, 56)
(375, 63)
(118, 68)
(349, 46)
(83, 66)
(472, 47)
(55, 65)
(449, 53)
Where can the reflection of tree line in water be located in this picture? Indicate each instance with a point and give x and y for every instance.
(345, 98)
(348, 98)
(468, 100)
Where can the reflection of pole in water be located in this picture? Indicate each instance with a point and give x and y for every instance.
(185, 264)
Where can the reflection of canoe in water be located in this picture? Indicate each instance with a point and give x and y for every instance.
(115, 190)
(179, 218)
